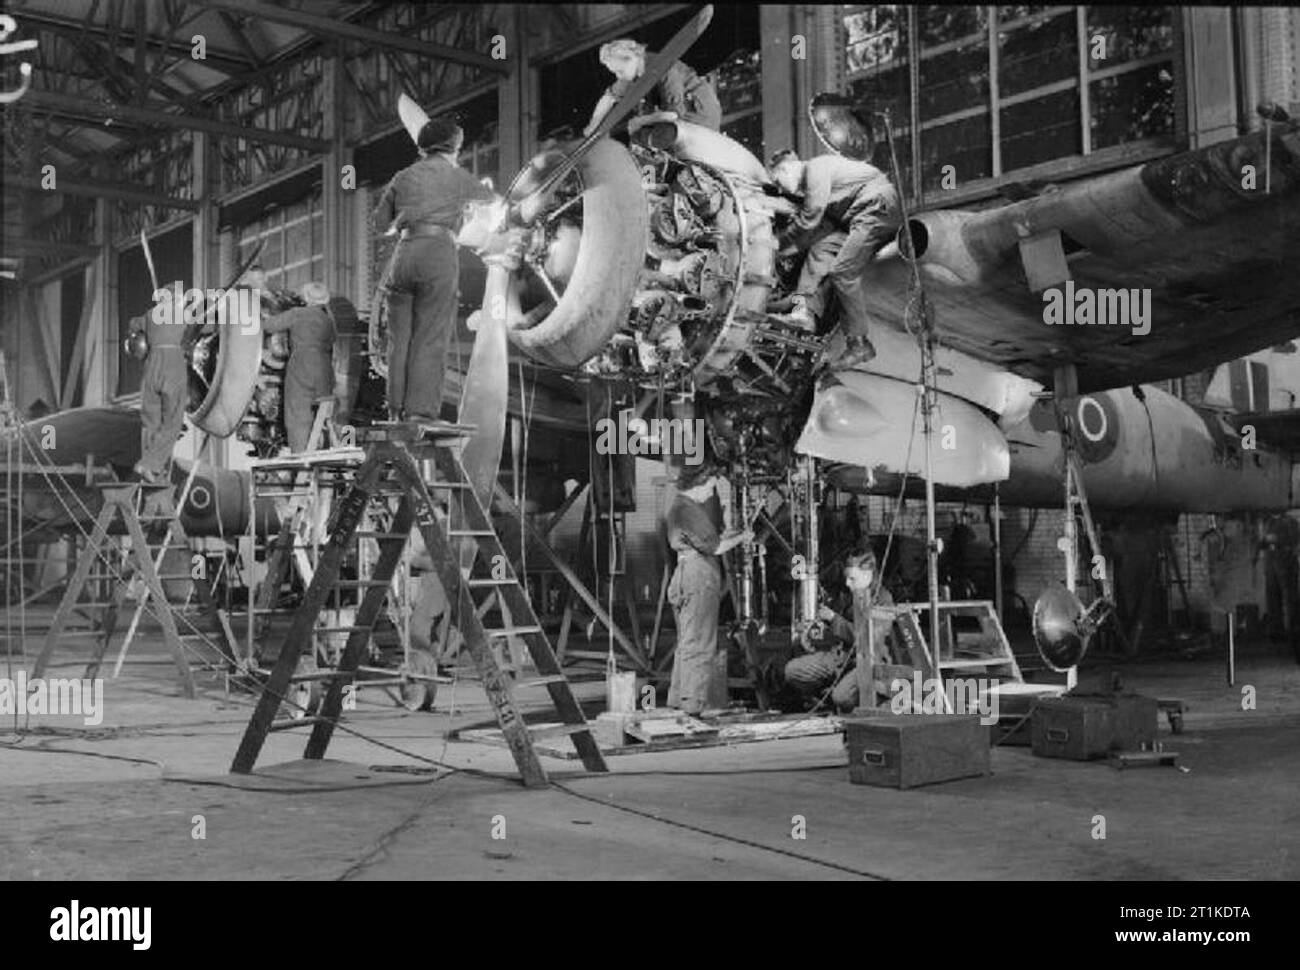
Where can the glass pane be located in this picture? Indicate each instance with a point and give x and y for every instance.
(903, 146)
(1040, 130)
(1130, 33)
(739, 82)
(1015, 11)
(887, 92)
(272, 253)
(298, 242)
(877, 37)
(939, 25)
(955, 80)
(1136, 104)
(965, 145)
(1037, 54)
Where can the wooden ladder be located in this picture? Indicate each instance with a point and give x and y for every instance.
(391, 470)
(120, 500)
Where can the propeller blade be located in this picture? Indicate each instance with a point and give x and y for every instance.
(486, 393)
(413, 117)
(148, 258)
(655, 69)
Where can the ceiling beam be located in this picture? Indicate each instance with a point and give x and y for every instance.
(71, 107)
(46, 247)
(227, 62)
(340, 28)
(104, 190)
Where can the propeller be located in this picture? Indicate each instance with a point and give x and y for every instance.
(527, 208)
(485, 396)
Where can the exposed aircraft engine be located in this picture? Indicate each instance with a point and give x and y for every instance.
(697, 274)
(237, 377)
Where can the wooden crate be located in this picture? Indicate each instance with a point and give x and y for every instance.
(906, 750)
(1084, 727)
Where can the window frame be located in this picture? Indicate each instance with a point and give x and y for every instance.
(1087, 161)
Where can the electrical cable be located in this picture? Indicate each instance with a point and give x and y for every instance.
(735, 839)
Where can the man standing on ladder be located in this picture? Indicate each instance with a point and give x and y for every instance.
(424, 201)
(309, 375)
(695, 591)
(164, 387)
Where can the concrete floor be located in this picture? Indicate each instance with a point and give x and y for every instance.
(77, 806)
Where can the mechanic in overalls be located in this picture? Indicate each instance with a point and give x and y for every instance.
(681, 94)
(424, 202)
(695, 591)
(850, 211)
(309, 374)
(164, 386)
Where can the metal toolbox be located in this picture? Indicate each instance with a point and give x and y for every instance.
(906, 750)
(1083, 727)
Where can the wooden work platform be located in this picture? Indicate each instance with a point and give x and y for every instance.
(440, 433)
(692, 732)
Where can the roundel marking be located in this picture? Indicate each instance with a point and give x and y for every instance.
(200, 498)
(1096, 422)
(1092, 428)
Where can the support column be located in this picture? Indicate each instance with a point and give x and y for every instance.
(776, 68)
(102, 345)
(516, 96)
(1211, 76)
(338, 181)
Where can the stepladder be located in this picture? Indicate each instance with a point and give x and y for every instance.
(972, 648)
(109, 575)
(414, 473)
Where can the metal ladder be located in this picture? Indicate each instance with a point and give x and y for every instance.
(391, 469)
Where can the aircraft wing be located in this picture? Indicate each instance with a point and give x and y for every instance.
(108, 434)
(1213, 234)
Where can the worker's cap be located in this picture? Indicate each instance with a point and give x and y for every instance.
(621, 49)
(784, 155)
(314, 293)
(441, 135)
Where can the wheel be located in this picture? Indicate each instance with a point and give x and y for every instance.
(419, 695)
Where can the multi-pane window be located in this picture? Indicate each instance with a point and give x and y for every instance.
(294, 252)
(739, 85)
(998, 89)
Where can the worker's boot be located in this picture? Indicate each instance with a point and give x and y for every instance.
(857, 351)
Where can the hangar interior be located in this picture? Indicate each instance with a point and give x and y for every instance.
(190, 140)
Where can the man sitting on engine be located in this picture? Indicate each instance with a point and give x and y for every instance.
(680, 95)
(850, 210)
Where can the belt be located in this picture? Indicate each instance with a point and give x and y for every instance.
(422, 229)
